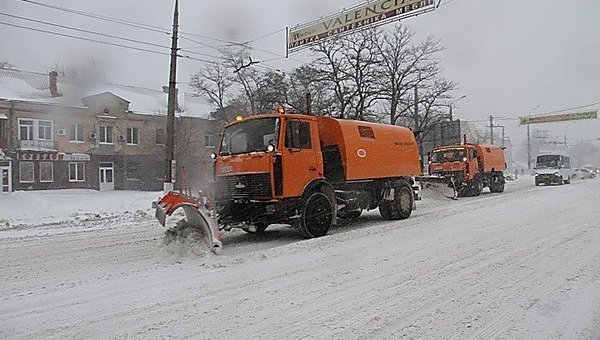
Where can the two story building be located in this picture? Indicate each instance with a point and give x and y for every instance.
(104, 143)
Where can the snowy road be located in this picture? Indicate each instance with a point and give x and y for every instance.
(524, 264)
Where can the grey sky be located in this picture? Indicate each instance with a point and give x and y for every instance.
(508, 57)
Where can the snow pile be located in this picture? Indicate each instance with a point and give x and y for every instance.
(184, 240)
(52, 206)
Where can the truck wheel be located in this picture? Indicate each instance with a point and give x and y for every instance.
(568, 181)
(476, 187)
(259, 228)
(401, 207)
(560, 180)
(317, 215)
(497, 185)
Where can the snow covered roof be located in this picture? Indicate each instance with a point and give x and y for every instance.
(33, 86)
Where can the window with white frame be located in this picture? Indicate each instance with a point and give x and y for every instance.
(46, 172)
(132, 135)
(26, 172)
(209, 141)
(35, 129)
(44, 129)
(106, 134)
(26, 129)
(76, 133)
(76, 172)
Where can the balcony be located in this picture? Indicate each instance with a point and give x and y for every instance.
(37, 145)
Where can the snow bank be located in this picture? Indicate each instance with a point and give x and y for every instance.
(48, 206)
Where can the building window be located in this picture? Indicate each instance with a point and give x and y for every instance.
(106, 134)
(209, 141)
(26, 129)
(76, 172)
(76, 133)
(160, 136)
(46, 172)
(44, 129)
(26, 172)
(132, 136)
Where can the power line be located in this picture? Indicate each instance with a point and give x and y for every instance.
(264, 36)
(82, 30)
(141, 25)
(101, 42)
(572, 108)
(161, 30)
(103, 34)
(102, 17)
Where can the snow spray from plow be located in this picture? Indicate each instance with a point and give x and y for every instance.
(196, 216)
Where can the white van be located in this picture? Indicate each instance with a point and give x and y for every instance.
(553, 169)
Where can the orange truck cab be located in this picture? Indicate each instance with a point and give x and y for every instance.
(470, 167)
(310, 171)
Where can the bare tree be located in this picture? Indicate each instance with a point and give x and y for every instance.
(336, 73)
(309, 79)
(403, 66)
(213, 82)
(272, 91)
(361, 54)
(245, 76)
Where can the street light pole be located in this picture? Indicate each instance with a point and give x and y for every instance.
(452, 102)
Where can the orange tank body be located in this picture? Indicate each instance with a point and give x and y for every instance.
(370, 150)
(492, 157)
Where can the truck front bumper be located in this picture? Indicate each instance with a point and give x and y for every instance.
(238, 211)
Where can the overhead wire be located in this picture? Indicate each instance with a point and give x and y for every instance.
(163, 30)
(101, 42)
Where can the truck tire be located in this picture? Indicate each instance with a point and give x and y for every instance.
(476, 187)
(497, 185)
(317, 215)
(259, 228)
(401, 207)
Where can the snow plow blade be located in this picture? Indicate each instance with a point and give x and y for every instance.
(196, 215)
(437, 186)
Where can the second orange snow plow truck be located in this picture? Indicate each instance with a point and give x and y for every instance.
(310, 171)
(468, 168)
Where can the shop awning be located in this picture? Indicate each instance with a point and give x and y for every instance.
(3, 116)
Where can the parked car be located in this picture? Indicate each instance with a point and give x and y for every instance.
(584, 174)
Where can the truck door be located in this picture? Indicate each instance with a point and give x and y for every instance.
(473, 162)
(299, 156)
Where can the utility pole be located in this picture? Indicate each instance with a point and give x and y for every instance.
(308, 104)
(170, 142)
(502, 127)
(491, 129)
(528, 150)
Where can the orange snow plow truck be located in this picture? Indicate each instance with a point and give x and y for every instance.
(467, 168)
(306, 171)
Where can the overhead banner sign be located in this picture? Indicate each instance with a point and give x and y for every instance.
(371, 14)
(558, 118)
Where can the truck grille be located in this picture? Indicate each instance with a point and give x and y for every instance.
(238, 186)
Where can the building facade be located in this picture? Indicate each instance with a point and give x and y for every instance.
(99, 145)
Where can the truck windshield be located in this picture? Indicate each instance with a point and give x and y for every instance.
(250, 136)
(548, 161)
(448, 155)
